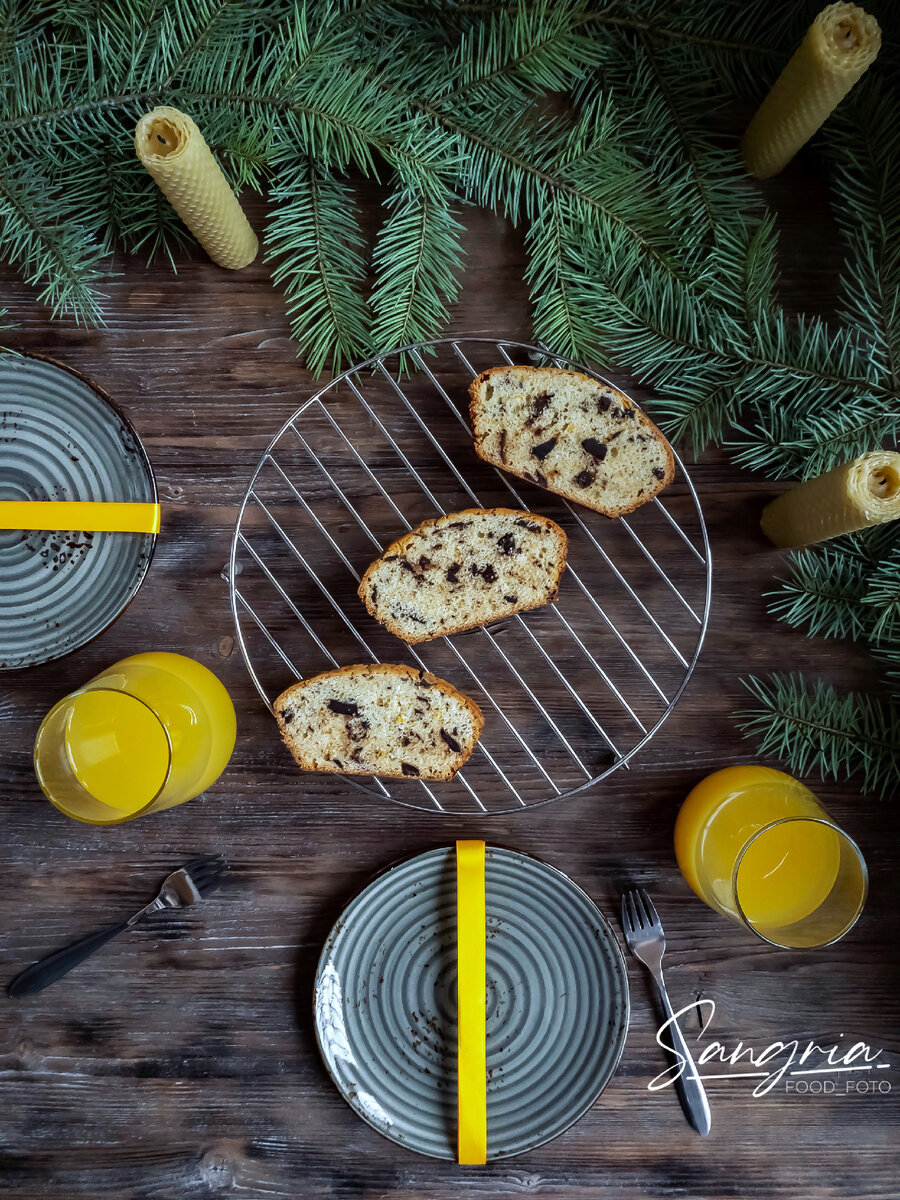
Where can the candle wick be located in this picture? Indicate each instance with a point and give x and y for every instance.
(845, 34)
(160, 138)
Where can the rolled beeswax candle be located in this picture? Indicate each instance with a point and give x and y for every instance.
(839, 46)
(858, 494)
(172, 149)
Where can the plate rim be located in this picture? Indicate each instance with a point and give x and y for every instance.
(621, 968)
(106, 399)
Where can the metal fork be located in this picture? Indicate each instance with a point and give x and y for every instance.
(183, 887)
(647, 942)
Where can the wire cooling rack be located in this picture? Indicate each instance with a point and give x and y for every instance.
(569, 692)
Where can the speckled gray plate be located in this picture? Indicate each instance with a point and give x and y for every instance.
(61, 438)
(557, 1003)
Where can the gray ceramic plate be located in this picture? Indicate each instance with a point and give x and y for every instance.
(62, 438)
(557, 1003)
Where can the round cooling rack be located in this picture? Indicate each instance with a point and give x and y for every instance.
(569, 692)
(557, 1005)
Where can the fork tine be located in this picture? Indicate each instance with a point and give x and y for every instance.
(209, 870)
(208, 883)
(208, 860)
(202, 860)
(206, 886)
(641, 910)
(649, 909)
(206, 873)
(200, 879)
(203, 868)
(633, 922)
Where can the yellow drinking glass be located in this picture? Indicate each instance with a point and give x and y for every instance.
(152, 731)
(757, 846)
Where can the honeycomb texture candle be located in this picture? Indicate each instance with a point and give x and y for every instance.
(839, 46)
(172, 148)
(860, 493)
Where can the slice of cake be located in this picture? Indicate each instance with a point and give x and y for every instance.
(464, 569)
(577, 437)
(379, 719)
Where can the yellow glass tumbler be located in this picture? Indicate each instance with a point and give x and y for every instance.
(757, 846)
(152, 731)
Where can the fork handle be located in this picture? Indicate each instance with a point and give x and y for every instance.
(688, 1084)
(41, 974)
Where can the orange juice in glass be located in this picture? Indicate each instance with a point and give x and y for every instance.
(757, 846)
(152, 731)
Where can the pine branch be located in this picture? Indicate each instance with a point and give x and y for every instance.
(510, 155)
(416, 255)
(782, 445)
(825, 593)
(190, 29)
(154, 229)
(674, 99)
(122, 208)
(561, 319)
(639, 239)
(809, 396)
(882, 601)
(847, 588)
(862, 141)
(40, 230)
(748, 37)
(537, 49)
(813, 728)
(316, 243)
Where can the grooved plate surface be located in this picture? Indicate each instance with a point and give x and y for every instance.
(557, 1003)
(61, 439)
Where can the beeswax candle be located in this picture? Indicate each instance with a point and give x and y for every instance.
(839, 46)
(172, 148)
(860, 493)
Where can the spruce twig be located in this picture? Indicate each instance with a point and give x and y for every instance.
(316, 243)
(813, 728)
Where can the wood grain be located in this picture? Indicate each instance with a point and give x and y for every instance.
(180, 1062)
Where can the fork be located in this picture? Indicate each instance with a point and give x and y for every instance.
(647, 942)
(182, 888)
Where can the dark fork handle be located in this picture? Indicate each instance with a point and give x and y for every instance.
(41, 974)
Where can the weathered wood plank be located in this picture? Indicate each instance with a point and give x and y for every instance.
(181, 1060)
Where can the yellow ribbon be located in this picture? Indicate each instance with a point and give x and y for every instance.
(94, 515)
(472, 1059)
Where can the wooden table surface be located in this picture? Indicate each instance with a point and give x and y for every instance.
(180, 1062)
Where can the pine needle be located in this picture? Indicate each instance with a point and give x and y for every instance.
(416, 254)
(316, 243)
(814, 728)
(825, 594)
(847, 588)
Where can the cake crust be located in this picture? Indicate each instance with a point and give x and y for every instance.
(345, 720)
(571, 434)
(463, 570)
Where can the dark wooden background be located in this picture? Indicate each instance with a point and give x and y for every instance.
(180, 1063)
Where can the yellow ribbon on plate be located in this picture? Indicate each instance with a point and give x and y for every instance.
(472, 1055)
(94, 515)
